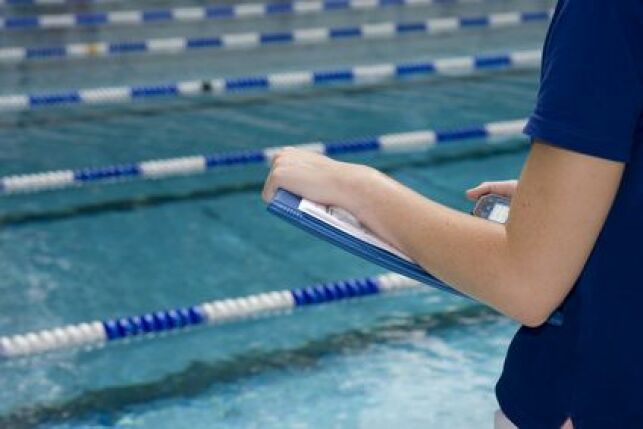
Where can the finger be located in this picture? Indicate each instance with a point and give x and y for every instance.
(269, 185)
(478, 191)
(505, 188)
(275, 181)
(268, 190)
(266, 183)
(275, 156)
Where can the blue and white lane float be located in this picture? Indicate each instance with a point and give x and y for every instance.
(196, 14)
(213, 312)
(414, 141)
(51, 2)
(305, 36)
(356, 75)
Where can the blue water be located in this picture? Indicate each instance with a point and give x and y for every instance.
(413, 360)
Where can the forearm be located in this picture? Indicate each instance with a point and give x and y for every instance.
(467, 252)
(524, 269)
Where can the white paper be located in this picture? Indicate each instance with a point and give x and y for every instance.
(346, 222)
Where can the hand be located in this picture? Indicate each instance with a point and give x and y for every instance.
(506, 188)
(315, 177)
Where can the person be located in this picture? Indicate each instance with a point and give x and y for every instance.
(572, 240)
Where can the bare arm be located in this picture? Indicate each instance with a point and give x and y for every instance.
(524, 269)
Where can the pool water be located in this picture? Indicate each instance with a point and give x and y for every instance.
(421, 359)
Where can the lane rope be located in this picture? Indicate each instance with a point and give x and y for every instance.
(31, 3)
(414, 141)
(253, 40)
(355, 75)
(51, 2)
(214, 312)
(196, 14)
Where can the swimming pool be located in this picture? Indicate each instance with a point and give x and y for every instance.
(417, 359)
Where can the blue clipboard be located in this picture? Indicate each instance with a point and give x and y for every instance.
(286, 206)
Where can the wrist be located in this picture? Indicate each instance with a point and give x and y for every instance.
(358, 184)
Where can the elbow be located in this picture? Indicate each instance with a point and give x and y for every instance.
(533, 318)
(530, 293)
(534, 307)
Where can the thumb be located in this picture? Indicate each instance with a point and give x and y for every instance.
(506, 188)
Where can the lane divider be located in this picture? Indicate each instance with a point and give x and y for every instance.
(306, 36)
(414, 141)
(213, 312)
(356, 75)
(51, 2)
(213, 12)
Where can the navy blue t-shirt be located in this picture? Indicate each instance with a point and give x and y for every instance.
(590, 101)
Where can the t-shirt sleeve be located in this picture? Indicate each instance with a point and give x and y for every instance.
(590, 94)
